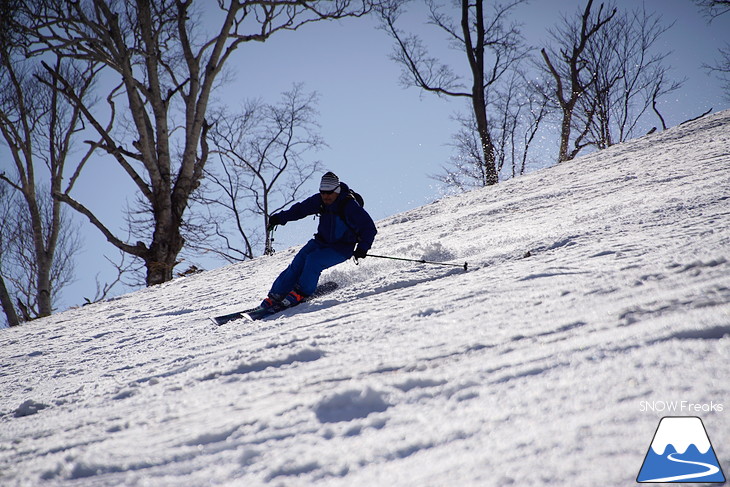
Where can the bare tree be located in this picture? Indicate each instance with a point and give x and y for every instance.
(166, 62)
(714, 9)
(537, 111)
(39, 128)
(8, 208)
(7, 304)
(629, 76)
(264, 165)
(567, 66)
(516, 117)
(465, 169)
(19, 262)
(722, 69)
(518, 114)
(492, 47)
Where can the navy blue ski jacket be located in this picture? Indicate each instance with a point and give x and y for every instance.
(342, 225)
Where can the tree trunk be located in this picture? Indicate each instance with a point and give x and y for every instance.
(7, 304)
(490, 170)
(565, 134)
(162, 257)
(167, 242)
(43, 250)
(475, 54)
(44, 289)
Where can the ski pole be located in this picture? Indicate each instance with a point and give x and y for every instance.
(269, 245)
(420, 261)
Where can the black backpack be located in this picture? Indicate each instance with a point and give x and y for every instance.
(343, 200)
(355, 196)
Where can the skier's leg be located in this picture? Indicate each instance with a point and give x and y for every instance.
(289, 277)
(315, 263)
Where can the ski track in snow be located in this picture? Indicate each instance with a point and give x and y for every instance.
(525, 370)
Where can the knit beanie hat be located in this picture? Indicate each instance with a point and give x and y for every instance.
(330, 182)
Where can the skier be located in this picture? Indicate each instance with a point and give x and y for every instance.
(345, 230)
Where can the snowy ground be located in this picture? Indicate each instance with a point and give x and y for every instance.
(525, 370)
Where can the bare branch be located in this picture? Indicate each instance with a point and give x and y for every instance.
(40, 128)
(714, 8)
(492, 48)
(166, 64)
(137, 250)
(566, 65)
(263, 153)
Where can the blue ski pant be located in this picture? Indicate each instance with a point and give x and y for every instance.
(304, 271)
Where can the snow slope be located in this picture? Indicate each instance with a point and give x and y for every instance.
(525, 370)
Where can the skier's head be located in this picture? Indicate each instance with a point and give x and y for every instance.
(330, 182)
(329, 188)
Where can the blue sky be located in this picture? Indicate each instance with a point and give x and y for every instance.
(385, 140)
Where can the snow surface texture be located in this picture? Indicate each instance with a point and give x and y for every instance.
(525, 370)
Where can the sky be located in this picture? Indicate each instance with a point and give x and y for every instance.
(384, 140)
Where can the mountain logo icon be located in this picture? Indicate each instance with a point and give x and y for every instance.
(681, 452)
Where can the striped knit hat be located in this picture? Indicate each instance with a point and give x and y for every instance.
(330, 182)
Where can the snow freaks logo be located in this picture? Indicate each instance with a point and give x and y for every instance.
(681, 452)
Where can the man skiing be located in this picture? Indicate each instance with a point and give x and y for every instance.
(345, 230)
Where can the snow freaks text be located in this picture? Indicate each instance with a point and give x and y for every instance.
(681, 407)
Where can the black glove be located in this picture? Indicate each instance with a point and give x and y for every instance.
(274, 220)
(360, 253)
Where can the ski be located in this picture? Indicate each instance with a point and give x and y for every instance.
(253, 314)
(222, 320)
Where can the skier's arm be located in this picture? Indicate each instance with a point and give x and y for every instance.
(363, 225)
(300, 210)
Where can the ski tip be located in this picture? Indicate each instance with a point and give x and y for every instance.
(220, 322)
